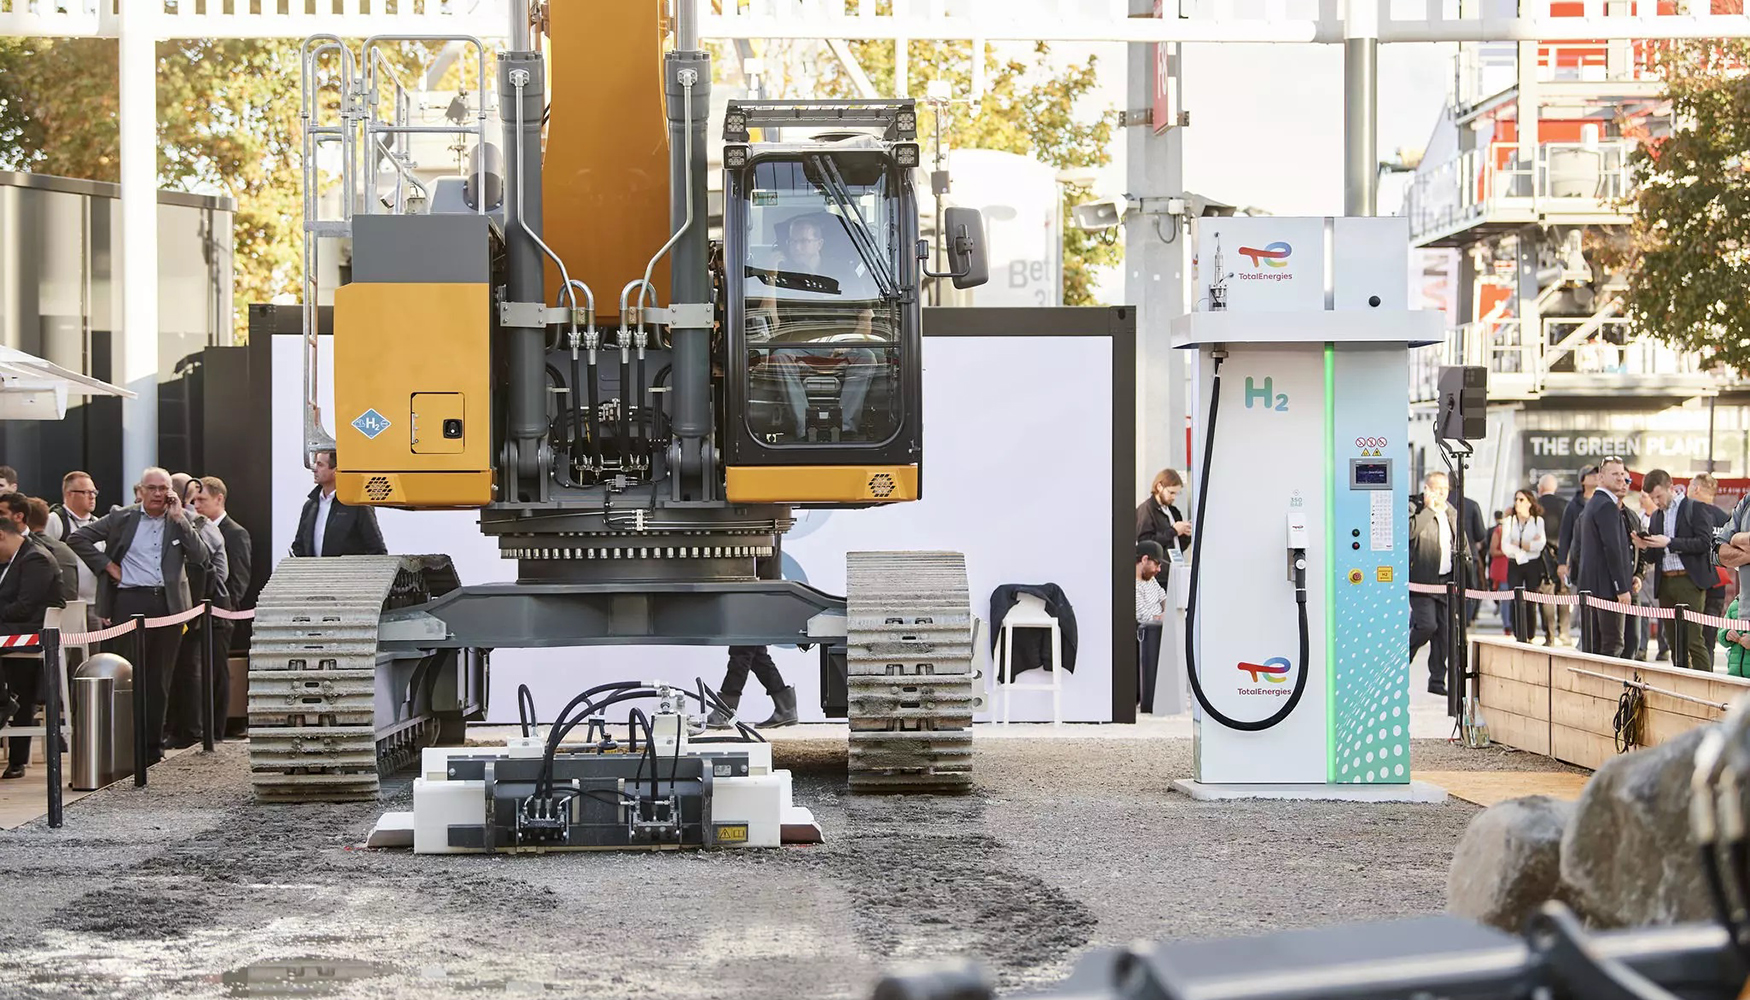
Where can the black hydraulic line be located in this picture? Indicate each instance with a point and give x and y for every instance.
(1191, 604)
(625, 407)
(577, 405)
(525, 709)
(595, 415)
(644, 433)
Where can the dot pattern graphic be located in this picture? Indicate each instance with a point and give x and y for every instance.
(1371, 700)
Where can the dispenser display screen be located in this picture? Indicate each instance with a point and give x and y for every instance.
(1370, 474)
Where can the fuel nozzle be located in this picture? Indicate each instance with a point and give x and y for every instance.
(1297, 544)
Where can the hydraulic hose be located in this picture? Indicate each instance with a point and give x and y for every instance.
(643, 435)
(577, 405)
(1191, 605)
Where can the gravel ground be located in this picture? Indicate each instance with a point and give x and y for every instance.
(191, 890)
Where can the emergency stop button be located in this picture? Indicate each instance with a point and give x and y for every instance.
(1354, 576)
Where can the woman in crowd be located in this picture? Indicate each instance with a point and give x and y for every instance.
(1524, 543)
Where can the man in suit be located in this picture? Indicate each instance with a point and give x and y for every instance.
(38, 521)
(143, 569)
(1433, 560)
(29, 586)
(1567, 553)
(1555, 507)
(239, 551)
(1678, 545)
(1606, 560)
(15, 507)
(328, 527)
(208, 584)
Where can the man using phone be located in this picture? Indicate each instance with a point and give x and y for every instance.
(141, 557)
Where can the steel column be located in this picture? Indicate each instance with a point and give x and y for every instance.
(136, 363)
(1360, 126)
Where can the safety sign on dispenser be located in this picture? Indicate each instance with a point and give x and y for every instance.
(1380, 520)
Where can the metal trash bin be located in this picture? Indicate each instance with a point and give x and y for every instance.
(103, 722)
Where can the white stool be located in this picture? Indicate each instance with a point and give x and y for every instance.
(1029, 612)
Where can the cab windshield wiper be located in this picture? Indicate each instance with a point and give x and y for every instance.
(857, 227)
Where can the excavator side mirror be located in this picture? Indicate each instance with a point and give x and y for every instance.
(963, 236)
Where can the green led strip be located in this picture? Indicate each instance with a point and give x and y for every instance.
(1330, 563)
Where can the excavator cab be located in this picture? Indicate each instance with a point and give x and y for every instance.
(819, 310)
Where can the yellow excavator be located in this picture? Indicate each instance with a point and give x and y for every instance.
(640, 464)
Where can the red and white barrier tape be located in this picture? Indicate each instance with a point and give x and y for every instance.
(178, 619)
(101, 635)
(1427, 588)
(15, 641)
(235, 616)
(1632, 610)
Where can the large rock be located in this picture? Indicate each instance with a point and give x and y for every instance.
(1508, 863)
(1628, 858)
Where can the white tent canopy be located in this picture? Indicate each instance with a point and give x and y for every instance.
(34, 389)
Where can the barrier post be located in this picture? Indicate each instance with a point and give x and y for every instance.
(1584, 612)
(1679, 640)
(1455, 616)
(51, 644)
(1520, 609)
(142, 744)
(207, 677)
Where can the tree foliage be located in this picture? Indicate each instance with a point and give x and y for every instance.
(1688, 254)
(1027, 108)
(227, 123)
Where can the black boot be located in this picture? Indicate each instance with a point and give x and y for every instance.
(720, 719)
(783, 709)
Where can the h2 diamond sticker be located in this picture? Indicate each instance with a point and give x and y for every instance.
(371, 423)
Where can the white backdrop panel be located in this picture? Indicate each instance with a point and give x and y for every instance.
(1018, 437)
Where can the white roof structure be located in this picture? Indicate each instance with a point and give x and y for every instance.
(18, 366)
(32, 388)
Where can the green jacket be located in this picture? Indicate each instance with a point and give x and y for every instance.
(1737, 657)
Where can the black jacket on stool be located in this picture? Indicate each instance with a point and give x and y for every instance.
(351, 531)
(1032, 647)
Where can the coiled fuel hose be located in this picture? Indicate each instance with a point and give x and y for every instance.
(1191, 605)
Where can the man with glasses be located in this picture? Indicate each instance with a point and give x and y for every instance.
(78, 508)
(144, 553)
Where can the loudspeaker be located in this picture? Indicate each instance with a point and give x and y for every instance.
(1464, 403)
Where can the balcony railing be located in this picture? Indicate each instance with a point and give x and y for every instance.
(1572, 353)
(1482, 70)
(1572, 177)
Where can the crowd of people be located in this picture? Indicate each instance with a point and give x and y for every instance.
(1645, 547)
(174, 547)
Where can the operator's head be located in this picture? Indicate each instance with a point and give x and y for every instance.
(1435, 488)
(322, 467)
(1704, 487)
(803, 242)
(1166, 487)
(1658, 485)
(155, 492)
(79, 493)
(1526, 505)
(1613, 476)
(1547, 485)
(1149, 557)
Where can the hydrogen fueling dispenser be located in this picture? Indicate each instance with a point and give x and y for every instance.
(1298, 614)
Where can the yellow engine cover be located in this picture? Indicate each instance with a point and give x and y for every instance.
(859, 484)
(412, 394)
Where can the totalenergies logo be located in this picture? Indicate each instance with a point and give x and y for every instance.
(1275, 670)
(1274, 255)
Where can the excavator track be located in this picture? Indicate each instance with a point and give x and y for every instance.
(909, 672)
(313, 726)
